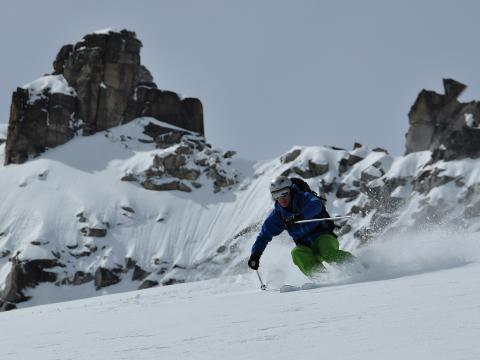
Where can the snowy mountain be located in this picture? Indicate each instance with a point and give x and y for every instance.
(69, 211)
(120, 210)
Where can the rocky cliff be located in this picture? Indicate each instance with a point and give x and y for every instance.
(444, 125)
(97, 83)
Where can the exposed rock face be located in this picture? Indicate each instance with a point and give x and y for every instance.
(186, 160)
(147, 284)
(97, 83)
(310, 171)
(290, 156)
(105, 277)
(347, 163)
(139, 273)
(93, 232)
(103, 69)
(167, 186)
(81, 277)
(444, 125)
(39, 124)
(166, 106)
(6, 306)
(25, 274)
(342, 193)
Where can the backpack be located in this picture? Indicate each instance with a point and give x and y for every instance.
(304, 187)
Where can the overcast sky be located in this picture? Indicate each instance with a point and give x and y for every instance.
(270, 74)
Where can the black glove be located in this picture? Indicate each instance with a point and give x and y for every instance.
(254, 261)
(290, 221)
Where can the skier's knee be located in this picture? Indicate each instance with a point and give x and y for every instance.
(304, 258)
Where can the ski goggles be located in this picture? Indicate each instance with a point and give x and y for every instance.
(280, 193)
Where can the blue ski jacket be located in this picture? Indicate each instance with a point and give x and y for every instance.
(305, 203)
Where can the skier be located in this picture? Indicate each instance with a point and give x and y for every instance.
(315, 241)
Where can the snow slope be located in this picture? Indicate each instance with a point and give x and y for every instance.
(42, 200)
(419, 299)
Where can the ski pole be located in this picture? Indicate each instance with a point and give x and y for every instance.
(323, 219)
(262, 285)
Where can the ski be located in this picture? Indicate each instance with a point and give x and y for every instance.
(306, 286)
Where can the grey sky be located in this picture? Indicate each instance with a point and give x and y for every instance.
(271, 74)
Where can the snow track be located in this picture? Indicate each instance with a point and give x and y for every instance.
(402, 255)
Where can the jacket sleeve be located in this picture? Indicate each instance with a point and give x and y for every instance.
(311, 205)
(272, 226)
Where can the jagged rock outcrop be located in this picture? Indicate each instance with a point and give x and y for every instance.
(81, 278)
(289, 157)
(27, 273)
(311, 170)
(97, 83)
(442, 124)
(139, 273)
(371, 187)
(93, 232)
(148, 284)
(186, 161)
(105, 277)
(40, 118)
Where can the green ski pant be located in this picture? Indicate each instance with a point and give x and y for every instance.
(325, 248)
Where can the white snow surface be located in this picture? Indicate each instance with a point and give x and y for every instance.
(54, 84)
(419, 299)
(106, 31)
(470, 121)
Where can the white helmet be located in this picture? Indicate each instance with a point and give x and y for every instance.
(280, 186)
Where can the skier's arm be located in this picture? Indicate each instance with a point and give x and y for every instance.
(312, 206)
(272, 226)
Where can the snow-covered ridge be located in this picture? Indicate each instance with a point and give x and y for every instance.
(53, 84)
(108, 223)
(106, 31)
(80, 215)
